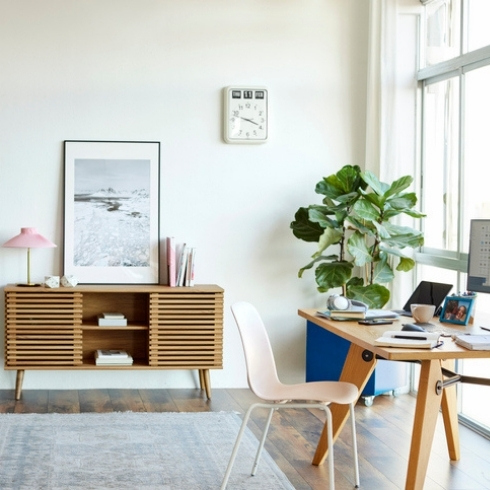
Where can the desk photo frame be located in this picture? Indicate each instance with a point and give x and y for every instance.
(111, 211)
(457, 309)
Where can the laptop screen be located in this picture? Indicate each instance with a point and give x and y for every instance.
(428, 293)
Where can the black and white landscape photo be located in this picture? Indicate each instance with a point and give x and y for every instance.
(111, 213)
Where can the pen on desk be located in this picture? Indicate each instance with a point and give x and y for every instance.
(407, 337)
(485, 328)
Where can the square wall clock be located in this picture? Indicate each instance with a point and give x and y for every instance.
(245, 115)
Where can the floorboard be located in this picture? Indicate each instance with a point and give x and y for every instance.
(383, 431)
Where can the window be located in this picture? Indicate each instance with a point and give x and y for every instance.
(455, 99)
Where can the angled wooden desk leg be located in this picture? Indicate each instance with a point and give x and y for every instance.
(358, 367)
(450, 416)
(426, 412)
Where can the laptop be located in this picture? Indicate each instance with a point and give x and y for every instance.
(427, 293)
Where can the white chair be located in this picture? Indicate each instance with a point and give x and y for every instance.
(264, 382)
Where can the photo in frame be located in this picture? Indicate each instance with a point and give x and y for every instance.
(111, 211)
(457, 309)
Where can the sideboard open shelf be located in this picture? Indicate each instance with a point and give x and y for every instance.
(168, 328)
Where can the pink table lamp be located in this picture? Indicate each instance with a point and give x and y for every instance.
(28, 238)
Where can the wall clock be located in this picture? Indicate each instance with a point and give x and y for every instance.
(245, 115)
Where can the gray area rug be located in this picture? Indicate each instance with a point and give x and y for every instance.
(184, 451)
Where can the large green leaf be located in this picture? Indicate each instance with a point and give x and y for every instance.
(315, 261)
(378, 187)
(356, 245)
(365, 210)
(303, 228)
(367, 228)
(332, 275)
(402, 202)
(403, 236)
(406, 264)
(381, 230)
(399, 185)
(415, 214)
(374, 295)
(346, 181)
(383, 273)
(317, 214)
(329, 237)
(375, 199)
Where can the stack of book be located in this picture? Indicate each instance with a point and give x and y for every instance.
(343, 314)
(112, 320)
(180, 265)
(112, 357)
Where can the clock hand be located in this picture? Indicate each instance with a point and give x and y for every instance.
(249, 120)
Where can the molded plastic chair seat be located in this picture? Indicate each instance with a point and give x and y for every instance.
(264, 382)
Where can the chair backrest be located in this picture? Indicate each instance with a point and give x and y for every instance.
(259, 358)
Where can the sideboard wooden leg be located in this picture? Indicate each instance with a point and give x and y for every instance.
(18, 383)
(207, 382)
(201, 379)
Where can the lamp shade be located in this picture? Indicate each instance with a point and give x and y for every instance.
(29, 238)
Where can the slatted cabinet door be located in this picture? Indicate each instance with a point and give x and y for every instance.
(186, 329)
(43, 329)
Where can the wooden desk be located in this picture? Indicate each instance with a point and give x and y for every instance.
(360, 363)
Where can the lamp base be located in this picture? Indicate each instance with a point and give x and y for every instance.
(28, 284)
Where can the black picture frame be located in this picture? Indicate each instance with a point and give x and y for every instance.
(111, 211)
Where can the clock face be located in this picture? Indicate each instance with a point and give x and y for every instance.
(245, 115)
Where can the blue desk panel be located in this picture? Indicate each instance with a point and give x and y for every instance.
(325, 357)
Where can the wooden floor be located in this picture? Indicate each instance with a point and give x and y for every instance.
(383, 434)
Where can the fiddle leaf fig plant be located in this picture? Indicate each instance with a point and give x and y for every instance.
(354, 217)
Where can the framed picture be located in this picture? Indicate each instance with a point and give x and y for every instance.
(457, 309)
(111, 218)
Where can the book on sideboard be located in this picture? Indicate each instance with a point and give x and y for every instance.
(180, 263)
(171, 261)
(112, 357)
(112, 320)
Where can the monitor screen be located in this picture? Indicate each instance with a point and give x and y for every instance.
(479, 256)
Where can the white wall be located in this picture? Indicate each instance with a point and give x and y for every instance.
(154, 70)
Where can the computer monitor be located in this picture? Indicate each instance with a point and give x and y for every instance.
(478, 279)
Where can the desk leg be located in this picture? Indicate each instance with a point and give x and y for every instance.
(356, 370)
(450, 416)
(426, 412)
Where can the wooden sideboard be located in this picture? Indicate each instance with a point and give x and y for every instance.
(168, 328)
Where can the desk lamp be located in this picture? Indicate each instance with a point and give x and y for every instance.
(28, 238)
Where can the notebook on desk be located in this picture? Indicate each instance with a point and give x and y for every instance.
(426, 293)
